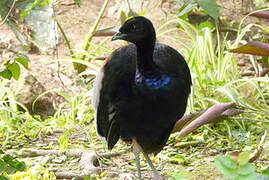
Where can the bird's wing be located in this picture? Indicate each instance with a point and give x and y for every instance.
(106, 124)
(109, 90)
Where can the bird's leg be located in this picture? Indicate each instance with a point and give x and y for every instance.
(136, 150)
(156, 174)
(137, 159)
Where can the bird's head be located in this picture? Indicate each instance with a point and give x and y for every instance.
(137, 30)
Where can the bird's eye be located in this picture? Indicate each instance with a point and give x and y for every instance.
(133, 27)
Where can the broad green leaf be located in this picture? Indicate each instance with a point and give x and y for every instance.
(205, 24)
(254, 48)
(243, 158)
(77, 2)
(265, 172)
(246, 169)
(251, 176)
(5, 73)
(2, 165)
(182, 174)
(7, 158)
(20, 166)
(3, 177)
(210, 7)
(226, 165)
(15, 70)
(22, 59)
(10, 170)
(1, 151)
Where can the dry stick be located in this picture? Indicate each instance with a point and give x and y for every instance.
(12, 6)
(186, 125)
(70, 153)
(87, 164)
(88, 160)
(113, 154)
(68, 175)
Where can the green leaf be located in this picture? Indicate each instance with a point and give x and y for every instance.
(3, 177)
(33, 5)
(205, 24)
(22, 59)
(5, 73)
(15, 70)
(226, 165)
(7, 158)
(77, 2)
(247, 169)
(63, 141)
(210, 7)
(265, 172)
(243, 158)
(10, 170)
(1, 151)
(20, 166)
(2, 165)
(252, 176)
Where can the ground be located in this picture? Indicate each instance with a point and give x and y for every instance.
(197, 159)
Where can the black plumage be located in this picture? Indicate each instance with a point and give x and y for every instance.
(142, 90)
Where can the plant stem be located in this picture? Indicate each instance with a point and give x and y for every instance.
(65, 38)
(93, 28)
(80, 67)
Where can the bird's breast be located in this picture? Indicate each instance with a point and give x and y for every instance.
(153, 82)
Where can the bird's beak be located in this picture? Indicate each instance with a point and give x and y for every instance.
(119, 35)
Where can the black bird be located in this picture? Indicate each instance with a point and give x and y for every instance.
(141, 91)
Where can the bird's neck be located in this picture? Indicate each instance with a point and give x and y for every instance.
(145, 64)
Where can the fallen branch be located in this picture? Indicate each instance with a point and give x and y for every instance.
(9, 11)
(216, 113)
(88, 160)
(40, 152)
(69, 175)
(112, 154)
(77, 153)
(89, 163)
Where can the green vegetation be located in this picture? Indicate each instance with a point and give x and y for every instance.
(217, 78)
